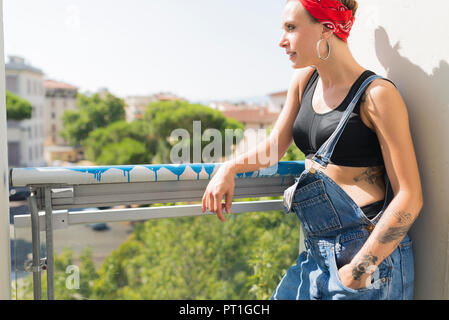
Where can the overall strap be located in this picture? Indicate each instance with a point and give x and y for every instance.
(323, 155)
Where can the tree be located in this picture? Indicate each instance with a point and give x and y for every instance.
(127, 151)
(121, 143)
(73, 280)
(166, 116)
(190, 258)
(201, 258)
(93, 112)
(293, 154)
(149, 140)
(17, 108)
(185, 258)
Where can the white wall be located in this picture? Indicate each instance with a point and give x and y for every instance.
(5, 254)
(405, 41)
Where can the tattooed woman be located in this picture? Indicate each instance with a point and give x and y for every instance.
(360, 191)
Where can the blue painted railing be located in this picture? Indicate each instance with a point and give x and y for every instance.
(138, 173)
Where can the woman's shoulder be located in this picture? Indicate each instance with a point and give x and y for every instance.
(302, 77)
(381, 97)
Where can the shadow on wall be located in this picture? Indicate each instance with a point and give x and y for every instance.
(427, 100)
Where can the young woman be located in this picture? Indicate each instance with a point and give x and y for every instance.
(360, 191)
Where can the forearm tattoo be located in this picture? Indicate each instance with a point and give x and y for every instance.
(371, 175)
(390, 234)
(387, 234)
(403, 217)
(363, 266)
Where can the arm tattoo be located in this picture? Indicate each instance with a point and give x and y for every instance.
(391, 234)
(403, 217)
(370, 175)
(387, 234)
(361, 267)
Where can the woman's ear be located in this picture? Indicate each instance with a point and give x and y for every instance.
(326, 33)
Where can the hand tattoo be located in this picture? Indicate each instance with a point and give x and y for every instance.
(363, 266)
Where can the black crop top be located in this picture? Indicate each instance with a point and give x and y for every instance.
(358, 145)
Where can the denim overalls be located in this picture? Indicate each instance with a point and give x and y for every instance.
(335, 228)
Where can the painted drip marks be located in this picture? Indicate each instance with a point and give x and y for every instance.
(284, 168)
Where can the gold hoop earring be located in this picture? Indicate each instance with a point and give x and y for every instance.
(318, 49)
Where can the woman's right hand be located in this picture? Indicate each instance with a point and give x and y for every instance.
(221, 184)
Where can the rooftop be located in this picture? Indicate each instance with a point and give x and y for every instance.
(251, 115)
(20, 64)
(278, 94)
(53, 84)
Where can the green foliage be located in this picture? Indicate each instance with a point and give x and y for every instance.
(67, 286)
(183, 258)
(17, 108)
(148, 140)
(127, 151)
(293, 154)
(166, 116)
(93, 112)
(201, 258)
(121, 143)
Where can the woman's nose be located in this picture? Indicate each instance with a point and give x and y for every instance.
(283, 42)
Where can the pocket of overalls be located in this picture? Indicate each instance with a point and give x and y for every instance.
(289, 193)
(288, 197)
(315, 210)
(338, 258)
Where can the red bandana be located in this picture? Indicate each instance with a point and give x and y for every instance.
(333, 14)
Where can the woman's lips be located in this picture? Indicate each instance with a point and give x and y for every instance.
(292, 55)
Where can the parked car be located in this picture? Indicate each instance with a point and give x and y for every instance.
(19, 193)
(101, 226)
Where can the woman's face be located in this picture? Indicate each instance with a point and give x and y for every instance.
(299, 36)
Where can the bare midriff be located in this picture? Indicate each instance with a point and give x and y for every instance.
(364, 185)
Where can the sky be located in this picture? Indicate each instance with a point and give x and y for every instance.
(198, 49)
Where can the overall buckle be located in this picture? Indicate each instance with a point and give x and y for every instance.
(313, 168)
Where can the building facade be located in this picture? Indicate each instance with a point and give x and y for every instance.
(26, 137)
(135, 105)
(59, 97)
(277, 101)
(258, 120)
(252, 117)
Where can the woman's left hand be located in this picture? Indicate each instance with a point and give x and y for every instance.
(347, 279)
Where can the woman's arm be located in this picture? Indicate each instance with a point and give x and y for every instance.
(273, 148)
(280, 139)
(388, 113)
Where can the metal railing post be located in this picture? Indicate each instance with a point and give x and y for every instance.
(36, 243)
(49, 244)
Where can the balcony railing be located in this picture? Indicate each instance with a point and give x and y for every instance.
(54, 190)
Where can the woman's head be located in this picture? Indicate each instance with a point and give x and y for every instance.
(350, 4)
(303, 28)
